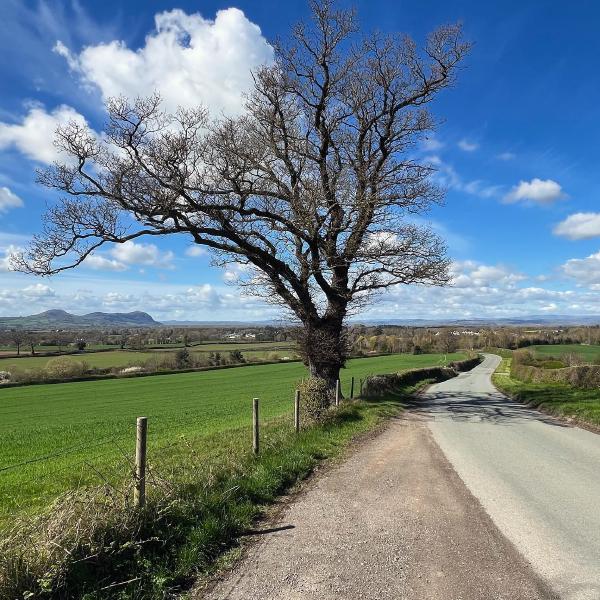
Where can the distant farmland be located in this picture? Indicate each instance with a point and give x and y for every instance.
(588, 353)
(85, 430)
(124, 358)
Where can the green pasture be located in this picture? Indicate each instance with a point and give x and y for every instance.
(125, 358)
(85, 430)
(589, 353)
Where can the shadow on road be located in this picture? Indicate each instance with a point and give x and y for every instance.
(476, 407)
(268, 530)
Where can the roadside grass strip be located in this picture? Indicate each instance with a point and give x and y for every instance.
(204, 491)
(582, 405)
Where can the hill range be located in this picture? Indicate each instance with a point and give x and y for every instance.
(61, 319)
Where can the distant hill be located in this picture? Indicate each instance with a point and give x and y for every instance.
(528, 320)
(60, 319)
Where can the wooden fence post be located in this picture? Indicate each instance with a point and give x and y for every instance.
(297, 411)
(337, 392)
(139, 493)
(351, 388)
(255, 441)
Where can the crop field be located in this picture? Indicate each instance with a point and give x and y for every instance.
(60, 436)
(125, 358)
(588, 352)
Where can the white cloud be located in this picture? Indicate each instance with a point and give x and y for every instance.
(431, 144)
(541, 191)
(236, 272)
(506, 156)
(470, 274)
(38, 291)
(446, 176)
(131, 253)
(585, 271)
(100, 263)
(8, 200)
(195, 251)
(190, 60)
(34, 136)
(467, 146)
(5, 260)
(580, 226)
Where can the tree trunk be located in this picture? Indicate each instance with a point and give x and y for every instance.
(323, 348)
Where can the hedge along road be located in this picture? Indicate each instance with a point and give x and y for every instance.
(537, 478)
(95, 420)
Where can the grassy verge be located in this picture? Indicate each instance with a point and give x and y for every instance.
(203, 492)
(582, 405)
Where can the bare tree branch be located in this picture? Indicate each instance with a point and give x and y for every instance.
(312, 189)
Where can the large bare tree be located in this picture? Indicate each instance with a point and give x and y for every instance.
(311, 190)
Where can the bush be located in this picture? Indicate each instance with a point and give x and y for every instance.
(63, 367)
(4, 376)
(183, 358)
(378, 385)
(236, 357)
(316, 397)
(584, 376)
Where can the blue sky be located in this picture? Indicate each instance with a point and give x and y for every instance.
(517, 147)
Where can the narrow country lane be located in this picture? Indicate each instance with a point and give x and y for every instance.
(538, 479)
(396, 521)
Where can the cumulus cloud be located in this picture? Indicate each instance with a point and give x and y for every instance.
(195, 251)
(585, 271)
(38, 291)
(540, 191)
(190, 60)
(8, 253)
(236, 272)
(468, 146)
(148, 255)
(470, 274)
(580, 226)
(34, 135)
(101, 263)
(8, 200)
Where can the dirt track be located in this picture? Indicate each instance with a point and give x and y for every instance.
(392, 521)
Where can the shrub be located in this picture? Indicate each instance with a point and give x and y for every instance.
(236, 357)
(316, 397)
(523, 357)
(584, 376)
(4, 376)
(378, 385)
(63, 367)
(182, 358)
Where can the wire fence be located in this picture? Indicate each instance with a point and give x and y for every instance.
(113, 460)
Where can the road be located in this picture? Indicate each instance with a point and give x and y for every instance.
(466, 496)
(537, 479)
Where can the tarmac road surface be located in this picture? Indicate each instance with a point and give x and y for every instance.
(537, 478)
(466, 496)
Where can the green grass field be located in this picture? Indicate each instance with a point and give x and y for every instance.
(89, 426)
(124, 358)
(589, 353)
